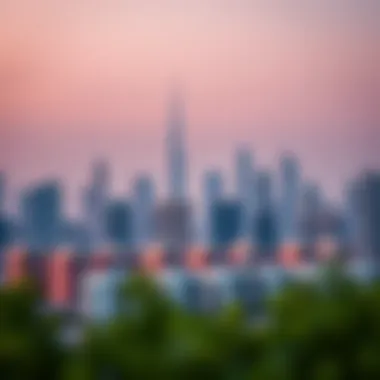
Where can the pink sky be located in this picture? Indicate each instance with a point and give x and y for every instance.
(83, 78)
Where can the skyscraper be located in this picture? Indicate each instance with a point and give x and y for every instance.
(245, 187)
(42, 218)
(143, 210)
(119, 224)
(311, 208)
(213, 188)
(95, 202)
(226, 220)
(5, 225)
(264, 190)
(2, 192)
(265, 226)
(173, 225)
(74, 234)
(351, 220)
(176, 150)
(290, 183)
(368, 215)
(6, 232)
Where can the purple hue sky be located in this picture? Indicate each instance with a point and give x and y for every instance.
(82, 78)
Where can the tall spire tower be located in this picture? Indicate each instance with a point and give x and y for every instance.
(176, 149)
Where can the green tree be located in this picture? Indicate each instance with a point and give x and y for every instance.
(326, 332)
(329, 330)
(29, 347)
(153, 338)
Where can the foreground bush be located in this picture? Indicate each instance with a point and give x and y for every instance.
(311, 332)
(29, 347)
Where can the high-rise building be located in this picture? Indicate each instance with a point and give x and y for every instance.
(173, 225)
(367, 207)
(6, 232)
(143, 211)
(42, 216)
(290, 185)
(226, 220)
(245, 191)
(119, 227)
(213, 189)
(176, 150)
(2, 192)
(351, 220)
(265, 224)
(95, 202)
(266, 234)
(311, 209)
(264, 190)
(74, 235)
(6, 224)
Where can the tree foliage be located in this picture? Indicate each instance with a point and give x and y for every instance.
(329, 330)
(29, 347)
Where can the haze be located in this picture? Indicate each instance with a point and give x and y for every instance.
(82, 79)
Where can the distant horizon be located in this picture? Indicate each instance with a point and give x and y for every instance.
(73, 196)
(82, 80)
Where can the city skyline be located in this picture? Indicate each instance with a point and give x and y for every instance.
(53, 163)
(232, 179)
(178, 176)
(175, 173)
(92, 80)
(73, 197)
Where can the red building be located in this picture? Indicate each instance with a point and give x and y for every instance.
(101, 260)
(20, 265)
(63, 271)
(15, 265)
(152, 260)
(290, 255)
(60, 281)
(196, 259)
(239, 254)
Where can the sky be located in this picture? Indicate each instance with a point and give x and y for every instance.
(82, 79)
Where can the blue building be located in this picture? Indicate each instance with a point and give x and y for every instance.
(42, 216)
(2, 192)
(213, 189)
(95, 201)
(176, 150)
(311, 210)
(266, 235)
(290, 186)
(226, 221)
(119, 226)
(173, 225)
(143, 211)
(245, 187)
(367, 207)
(265, 222)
